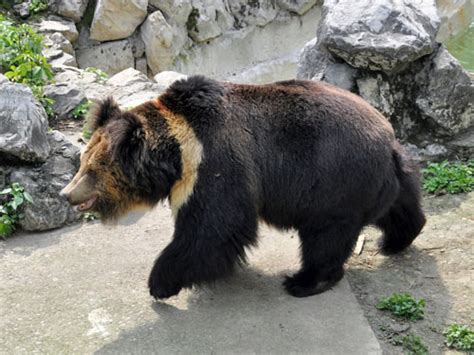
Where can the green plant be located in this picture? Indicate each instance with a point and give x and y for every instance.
(459, 337)
(38, 6)
(446, 177)
(81, 110)
(22, 60)
(412, 344)
(87, 128)
(101, 75)
(403, 305)
(86, 132)
(89, 217)
(21, 57)
(44, 100)
(12, 200)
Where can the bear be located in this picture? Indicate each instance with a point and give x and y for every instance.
(293, 154)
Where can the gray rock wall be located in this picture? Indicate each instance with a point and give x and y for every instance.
(154, 36)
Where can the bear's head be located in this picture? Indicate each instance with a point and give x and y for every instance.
(130, 162)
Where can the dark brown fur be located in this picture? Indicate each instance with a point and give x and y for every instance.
(296, 154)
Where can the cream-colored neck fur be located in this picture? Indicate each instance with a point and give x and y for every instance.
(191, 157)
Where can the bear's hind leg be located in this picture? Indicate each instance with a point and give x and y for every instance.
(324, 250)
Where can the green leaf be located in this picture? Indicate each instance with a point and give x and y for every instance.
(28, 197)
(6, 191)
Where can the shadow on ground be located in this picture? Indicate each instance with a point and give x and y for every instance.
(248, 313)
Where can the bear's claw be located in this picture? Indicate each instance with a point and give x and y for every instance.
(161, 292)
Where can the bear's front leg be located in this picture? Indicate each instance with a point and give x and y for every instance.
(197, 258)
(164, 280)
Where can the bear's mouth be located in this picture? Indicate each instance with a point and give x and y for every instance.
(85, 205)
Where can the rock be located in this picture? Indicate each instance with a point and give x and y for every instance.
(24, 124)
(463, 145)
(174, 10)
(138, 46)
(208, 19)
(447, 98)
(166, 78)
(73, 9)
(128, 78)
(248, 13)
(318, 64)
(429, 153)
(64, 60)
(75, 75)
(84, 41)
(111, 57)
(51, 53)
(3, 79)
(56, 24)
(141, 65)
(66, 96)
(44, 183)
(297, 6)
(163, 41)
(22, 9)
(131, 88)
(341, 75)
(376, 91)
(398, 328)
(313, 61)
(58, 41)
(379, 35)
(431, 100)
(115, 19)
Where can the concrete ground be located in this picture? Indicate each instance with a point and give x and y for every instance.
(82, 290)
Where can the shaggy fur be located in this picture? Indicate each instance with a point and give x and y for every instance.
(296, 154)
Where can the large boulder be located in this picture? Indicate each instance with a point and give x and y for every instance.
(429, 99)
(44, 182)
(379, 35)
(23, 124)
(111, 57)
(447, 97)
(208, 19)
(117, 19)
(163, 41)
(73, 9)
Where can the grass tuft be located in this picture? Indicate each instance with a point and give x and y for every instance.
(448, 178)
(459, 337)
(404, 306)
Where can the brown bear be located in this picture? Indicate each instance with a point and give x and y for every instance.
(295, 154)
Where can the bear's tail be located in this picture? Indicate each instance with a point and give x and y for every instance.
(405, 218)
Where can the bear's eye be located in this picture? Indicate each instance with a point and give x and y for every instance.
(92, 174)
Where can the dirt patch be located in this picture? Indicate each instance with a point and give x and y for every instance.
(438, 267)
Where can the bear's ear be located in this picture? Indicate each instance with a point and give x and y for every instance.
(128, 145)
(104, 112)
